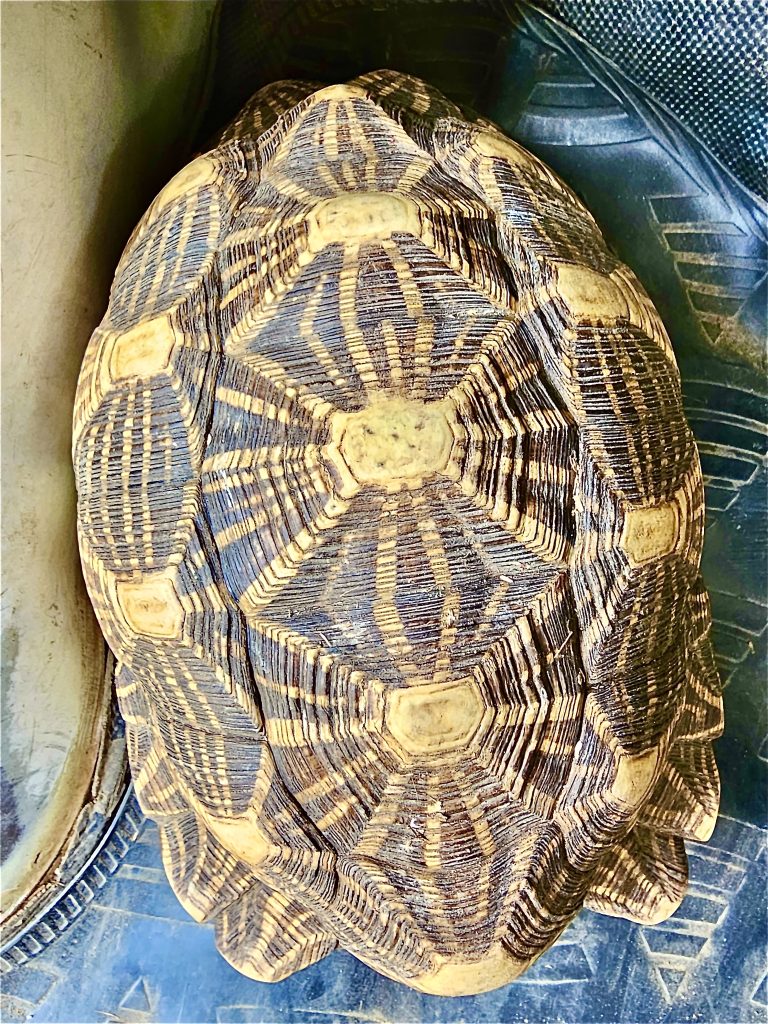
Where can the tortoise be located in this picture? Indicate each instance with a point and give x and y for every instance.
(390, 513)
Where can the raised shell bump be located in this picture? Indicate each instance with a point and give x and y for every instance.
(650, 533)
(357, 216)
(143, 351)
(203, 170)
(588, 294)
(151, 606)
(437, 718)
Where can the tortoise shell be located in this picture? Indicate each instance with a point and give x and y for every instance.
(391, 515)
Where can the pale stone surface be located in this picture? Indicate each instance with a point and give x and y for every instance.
(95, 116)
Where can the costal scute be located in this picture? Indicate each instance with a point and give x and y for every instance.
(390, 513)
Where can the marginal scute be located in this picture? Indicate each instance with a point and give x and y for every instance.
(264, 107)
(642, 878)
(205, 876)
(642, 312)
(388, 507)
(268, 936)
(457, 977)
(151, 606)
(686, 798)
(489, 142)
(701, 716)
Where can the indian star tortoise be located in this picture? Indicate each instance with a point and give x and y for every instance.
(389, 511)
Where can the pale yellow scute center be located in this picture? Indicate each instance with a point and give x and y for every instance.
(143, 351)
(151, 606)
(356, 216)
(454, 977)
(588, 294)
(435, 717)
(243, 836)
(396, 441)
(635, 775)
(650, 533)
(199, 172)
